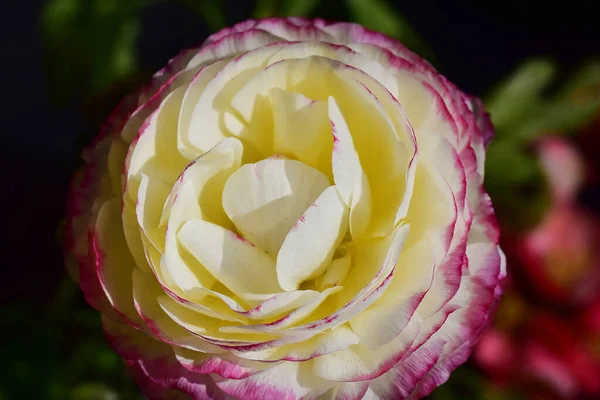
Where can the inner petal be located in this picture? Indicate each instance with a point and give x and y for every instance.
(232, 260)
(264, 200)
(310, 245)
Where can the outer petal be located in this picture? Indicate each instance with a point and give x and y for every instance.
(157, 365)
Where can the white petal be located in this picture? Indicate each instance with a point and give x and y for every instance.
(264, 200)
(196, 195)
(310, 245)
(233, 261)
(205, 127)
(192, 94)
(350, 179)
(281, 303)
(301, 128)
(150, 201)
(288, 380)
(365, 283)
(290, 319)
(336, 272)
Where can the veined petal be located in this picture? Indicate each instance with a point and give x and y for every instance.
(310, 245)
(385, 254)
(336, 272)
(290, 319)
(264, 200)
(235, 262)
(114, 263)
(279, 382)
(350, 179)
(146, 292)
(301, 129)
(196, 195)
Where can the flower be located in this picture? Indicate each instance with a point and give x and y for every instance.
(544, 353)
(560, 256)
(294, 209)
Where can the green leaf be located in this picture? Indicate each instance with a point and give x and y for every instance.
(515, 183)
(520, 111)
(93, 391)
(210, 10)
(299, 8)
(575, 105)
(266, 8)
(379, 16)
(515, 99)
(89, 44)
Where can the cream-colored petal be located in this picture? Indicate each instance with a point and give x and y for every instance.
(290, 319)
(146, 292)
(150, 201)
(114, 262)
(309, 246)
(264, 200)
(196, 195)
(206, 126)
(301, 129)
(350, 179)
(155, 151)
(236, 263)
(365, 284)
(192, 94)
(336, 272)
(281, 303)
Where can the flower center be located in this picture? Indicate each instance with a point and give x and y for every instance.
(291, 211)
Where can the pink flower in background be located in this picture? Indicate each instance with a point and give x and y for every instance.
(292, 210)
(561, 256)
(545, 342)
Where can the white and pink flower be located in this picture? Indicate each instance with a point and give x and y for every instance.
(293, 210)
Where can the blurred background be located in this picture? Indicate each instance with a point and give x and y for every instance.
(536, 64)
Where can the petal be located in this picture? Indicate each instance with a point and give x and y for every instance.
(292, 318)
(285, 381)
(264, 200)
(224, 365)
(309, 246)
(114, 262)
(357, 296)
(301, 129)
(350, 179)
(146, 292)
(196, 195)
(236, 263)
(156, 363)
(215, 100)
(336, 272)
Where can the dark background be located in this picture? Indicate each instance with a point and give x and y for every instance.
(476, 44)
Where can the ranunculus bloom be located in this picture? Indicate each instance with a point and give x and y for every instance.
(292, 210)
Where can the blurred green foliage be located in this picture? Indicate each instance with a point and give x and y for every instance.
(90, 54)
(523, 109)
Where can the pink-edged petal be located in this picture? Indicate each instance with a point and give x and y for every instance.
(309, 246)
(114, 263)
(285, 381)
(224, 365)
(289, 319)
(235, 262)
(157, 362)
(389, 252)
(196, 195)
(146, 293)
(350, 179)
(348, 391)
(264, 200)
(400, 381)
